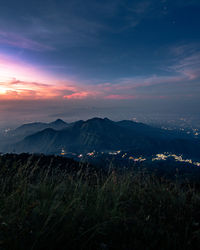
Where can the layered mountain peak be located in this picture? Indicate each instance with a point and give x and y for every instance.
(98, 123)
(102, 134)
(58, 122)
(93, 123)
(98, 119)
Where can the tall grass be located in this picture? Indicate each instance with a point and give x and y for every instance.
(44, 209)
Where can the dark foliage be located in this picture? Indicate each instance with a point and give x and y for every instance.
(54, 203)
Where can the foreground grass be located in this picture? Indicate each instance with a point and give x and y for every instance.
(52, 209)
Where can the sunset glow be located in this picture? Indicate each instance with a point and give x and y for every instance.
(23, 81)
(96, 56)
(104, 93)
(11, 68)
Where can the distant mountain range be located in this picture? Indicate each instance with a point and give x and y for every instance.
(31, 128)
(100, 135)
(15, 135)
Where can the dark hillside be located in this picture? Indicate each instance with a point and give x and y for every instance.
(50, 203)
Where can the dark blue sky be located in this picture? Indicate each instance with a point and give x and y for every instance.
(139, 55)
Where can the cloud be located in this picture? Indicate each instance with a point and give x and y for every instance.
(19, 41)
(57, 26)
(122, 89)
(120, 97)
(21, 90)
(18, 81)
(70, 23)
(186, 60)
(78, 95)
(180, 77)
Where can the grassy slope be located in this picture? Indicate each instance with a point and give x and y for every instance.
(48, 207)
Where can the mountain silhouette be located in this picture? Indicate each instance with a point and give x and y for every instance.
(103, 135)
(30, 128)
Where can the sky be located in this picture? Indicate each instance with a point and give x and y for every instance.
(77, 59)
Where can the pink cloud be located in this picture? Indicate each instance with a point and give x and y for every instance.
(22, 90)
(17, 89)
(15, 40)
(125, 86)
(78, 95)
(20, 81)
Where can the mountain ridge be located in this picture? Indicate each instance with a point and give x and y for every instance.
(103, 134)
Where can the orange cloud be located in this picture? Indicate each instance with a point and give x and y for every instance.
(17, 89)
(21, 81)
(23, 90)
